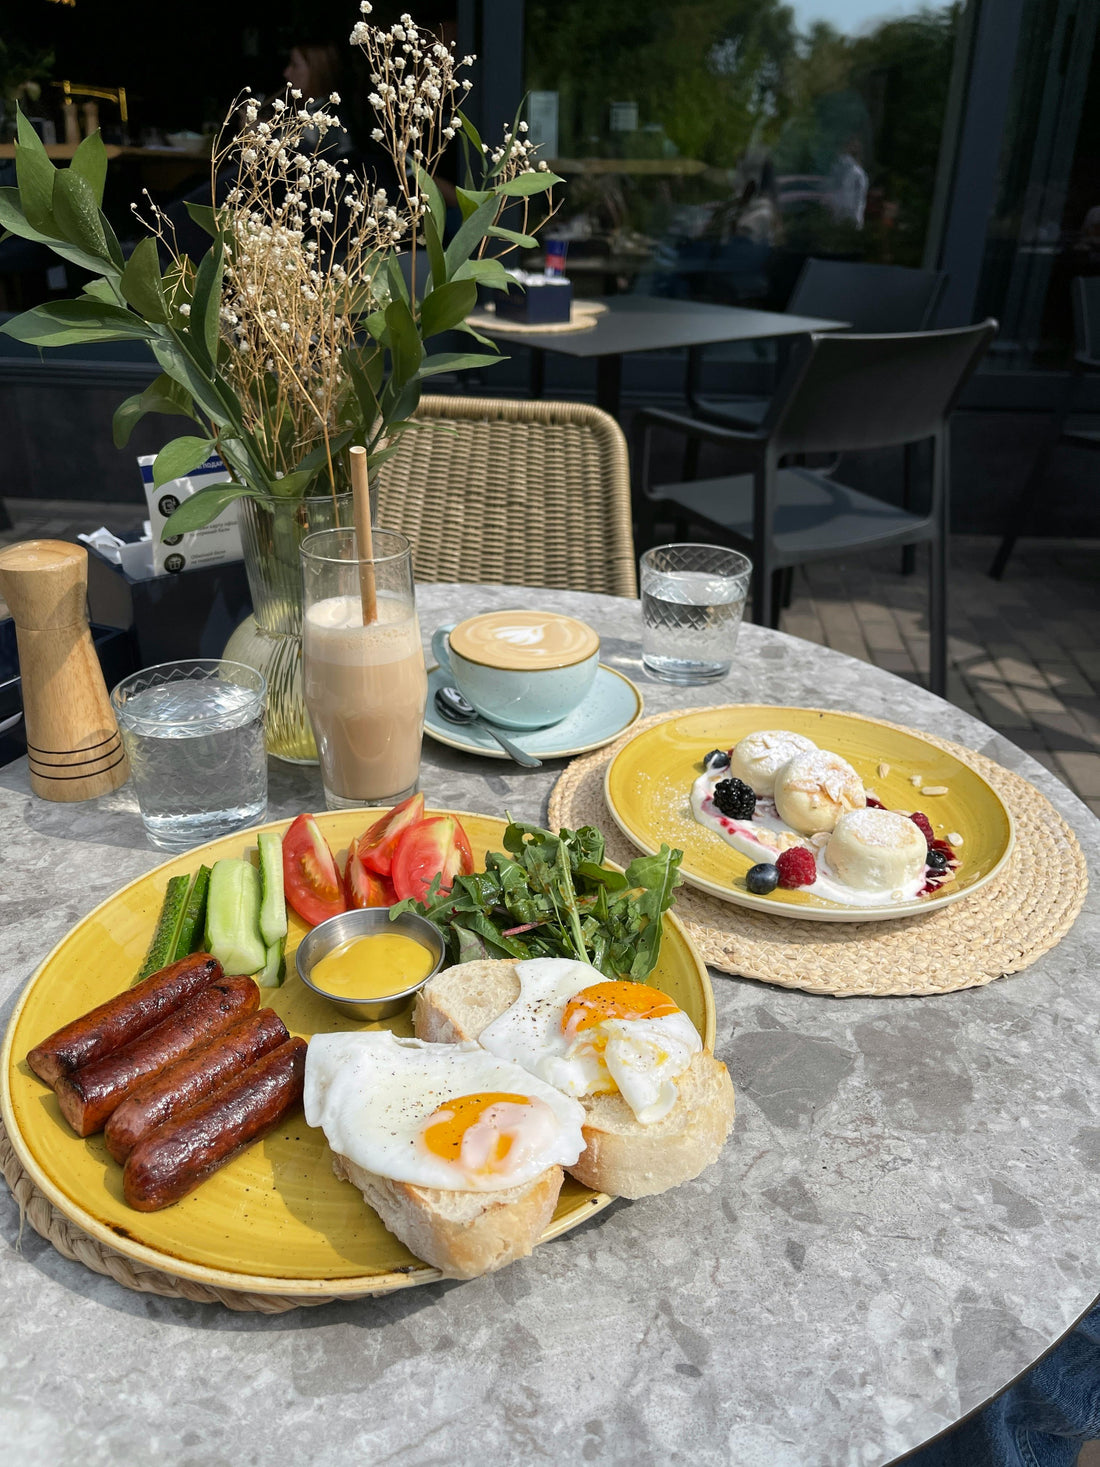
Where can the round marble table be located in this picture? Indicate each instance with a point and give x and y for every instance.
(904, 1219)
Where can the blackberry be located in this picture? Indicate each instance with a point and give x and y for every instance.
(716, 759)
(763, 879)
(735, 799)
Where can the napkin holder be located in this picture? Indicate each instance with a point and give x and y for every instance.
(74, 750)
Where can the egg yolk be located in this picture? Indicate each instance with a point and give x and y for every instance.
(446, 1129)
(613, 1000)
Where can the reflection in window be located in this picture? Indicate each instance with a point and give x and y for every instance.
(710, 146)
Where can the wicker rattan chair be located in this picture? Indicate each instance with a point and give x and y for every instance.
(524, 493)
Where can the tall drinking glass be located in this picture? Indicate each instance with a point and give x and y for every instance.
(194, 731)
(365, 686)
(693, 600)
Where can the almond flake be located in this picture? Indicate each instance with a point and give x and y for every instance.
(954, 838)
(883, 771)
(916, 779)
(935, 789)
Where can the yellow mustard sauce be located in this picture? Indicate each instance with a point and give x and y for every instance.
(372, 967)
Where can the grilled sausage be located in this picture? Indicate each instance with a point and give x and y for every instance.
(89, 1095)
(194, 1077)
(172, 1160)
(122, 1018)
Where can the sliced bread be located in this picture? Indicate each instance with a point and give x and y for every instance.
(463, 1234)
(622, 1157)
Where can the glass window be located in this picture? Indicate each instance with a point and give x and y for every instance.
(1045, 227)
(710, 146)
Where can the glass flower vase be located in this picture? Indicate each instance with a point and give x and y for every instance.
(270, 640)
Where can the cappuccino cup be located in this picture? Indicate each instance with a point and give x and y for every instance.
(521, 669)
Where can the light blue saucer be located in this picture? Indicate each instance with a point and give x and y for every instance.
(612, 706)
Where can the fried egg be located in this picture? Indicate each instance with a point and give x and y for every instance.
(586, 1035)
(438, 1115)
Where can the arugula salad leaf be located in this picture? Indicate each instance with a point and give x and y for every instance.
(550, 896)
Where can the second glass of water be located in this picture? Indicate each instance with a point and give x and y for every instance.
(194, 731)
(693, 601)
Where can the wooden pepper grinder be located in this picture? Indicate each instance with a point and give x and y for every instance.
(73, 743)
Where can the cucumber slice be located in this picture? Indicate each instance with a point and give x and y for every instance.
(194, 916)
(275, 968)
(163, 946)
(233, 917)
(272, 903)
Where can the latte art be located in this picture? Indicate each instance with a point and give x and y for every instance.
(524, 640)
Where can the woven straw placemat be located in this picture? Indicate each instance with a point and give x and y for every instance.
(1018, 916)
(583, 318)
(72, 1242)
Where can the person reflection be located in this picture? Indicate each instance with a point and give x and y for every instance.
(848, 184)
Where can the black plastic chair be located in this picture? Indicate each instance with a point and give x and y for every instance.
(839, 394)
(1086, 332)
(871, 298)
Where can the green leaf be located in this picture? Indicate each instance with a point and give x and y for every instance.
(203, 507)
(374, 459)
(398, 405)
(470, 234)
(90, 161)
(179, 457)
(470, 198)
(161, 396)
(13, 219)
(375, 325)
(433, 239)
(526, 184)
(206, 303)
(203, 215)
(77, 215)
(101, 290)
(68, 323)
(427, 186)
(477, 335)
(214, 399)
(513, 138)
(399, 289)
(496, 231)
(457, 361)
(472, 133)
(406, 348)
(141, 282)
(490, 273)
(35, 174)
(447, 307)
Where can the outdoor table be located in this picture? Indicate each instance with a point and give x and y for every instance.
(904, 1219)
(650, 323)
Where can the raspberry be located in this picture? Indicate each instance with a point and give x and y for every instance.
(924, 825)
(943, 848)
(734, 798)
(796, 867)
(873, 804)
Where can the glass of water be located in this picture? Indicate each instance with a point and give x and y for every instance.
(194, 731)
(693, 600)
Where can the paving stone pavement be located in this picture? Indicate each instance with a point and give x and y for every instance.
(1024, 653)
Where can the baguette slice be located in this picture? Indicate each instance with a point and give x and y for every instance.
(463, 1234)
(622, 1157)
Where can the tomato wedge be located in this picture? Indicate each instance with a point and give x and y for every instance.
(365, 888)
(435, 847)
(310, 878)
(377, 846)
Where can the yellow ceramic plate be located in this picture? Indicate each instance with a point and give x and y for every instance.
(275, 1220)
(648, 788)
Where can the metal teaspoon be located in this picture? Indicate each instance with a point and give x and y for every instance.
(455, 709)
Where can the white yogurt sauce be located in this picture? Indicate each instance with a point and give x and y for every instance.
(751, 838)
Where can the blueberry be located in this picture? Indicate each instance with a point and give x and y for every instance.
(716, 759)
(936, 861)
(763, 879)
